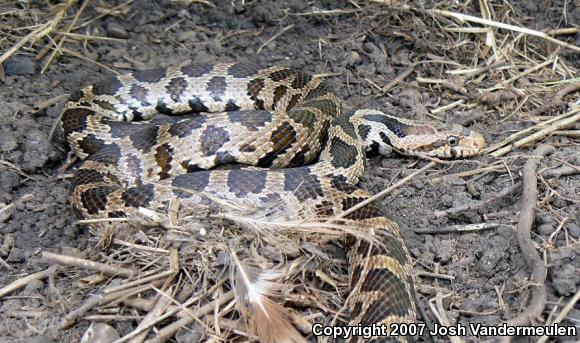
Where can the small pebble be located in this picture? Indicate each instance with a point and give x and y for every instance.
(186, 36)
(116, 31)
(39, 339)
(19, 65)
(100, 333)
(546, 229)
(574, 230)
(353, 58)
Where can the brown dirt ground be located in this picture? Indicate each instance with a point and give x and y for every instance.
(357, 47)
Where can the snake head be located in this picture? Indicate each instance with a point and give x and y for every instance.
(441, 140)
(412, 137)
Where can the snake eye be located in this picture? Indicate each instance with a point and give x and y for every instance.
(452, 140)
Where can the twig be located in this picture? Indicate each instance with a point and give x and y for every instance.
(538, 135)
(22, 282)
(569, 306)
(466, 17)
(395, 81)
(441, 315)
(106, 269)
(170, 330)
(63, 37)
(46, 104)
(98, 300)
(274, 37)
(460, 228)
(383, 192)
(525, 222)
(519, 134)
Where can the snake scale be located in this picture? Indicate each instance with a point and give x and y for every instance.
(277, 118)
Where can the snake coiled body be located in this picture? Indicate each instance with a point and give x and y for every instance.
(274, 118)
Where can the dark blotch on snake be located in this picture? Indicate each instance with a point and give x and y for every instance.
(243, 182)
(163, 158)
(196, 105)
(76, 95)
(394, 125)
(139, 93)
(279, 93)
(363, 131)
(197, 70)
(293, 101)
(186, 127)
(86, 176)
(232, 106)
(303, 116)
(391, 287)
(176, 88)
(343, 155)
(75, 119)
(107, 155)
(216, 87)
(91, 144)
(150, 76)
(194, 182)
(163, 108)
(241, 70)
(145, 139)
(301, 79)
(95, 199)
(386, 140)
(302, 183)
(140, 196)
(212, 139)
(300, 158)
(281, 74)
(318, 91)
(104, 105)
(391, 246)
(282, 139)
(107, 87)
(251, 120)
(340, 184)
(366, 212)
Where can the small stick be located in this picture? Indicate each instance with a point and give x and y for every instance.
(519, 134)
(435, 275)
(561, 171)
(525, 222)
(525, 72)
(568, 133)
(441, 315)
(18, 170)
(395, 81)
(46, 104)
(63, 37)
(106, 269)
(98, 300)
(538, 135)
(274, 37)
(22, 282)
(466, 17)
(491, 168)
(170, 330)
(383, 192)
(174, 310)
(569, 306)
(460, 228)
(80, 56)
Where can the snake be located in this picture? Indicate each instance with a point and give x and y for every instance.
(147, 136)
